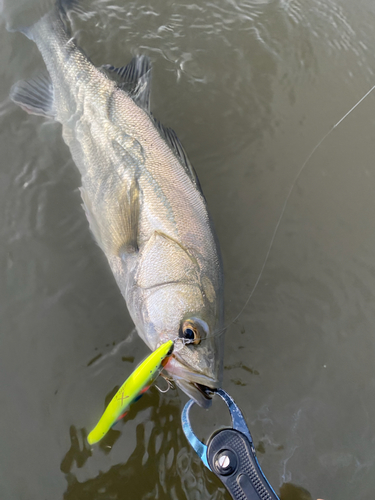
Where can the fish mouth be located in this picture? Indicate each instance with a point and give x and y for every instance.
(201, 394)
(198, 386)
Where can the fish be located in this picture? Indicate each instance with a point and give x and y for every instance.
(142, 199)
(131, 390)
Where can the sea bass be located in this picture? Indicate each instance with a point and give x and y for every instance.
(142, 199)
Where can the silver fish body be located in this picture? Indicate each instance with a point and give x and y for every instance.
(142, 199)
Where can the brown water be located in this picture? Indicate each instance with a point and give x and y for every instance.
(251, 88)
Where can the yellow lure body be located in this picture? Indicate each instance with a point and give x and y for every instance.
(142, 376)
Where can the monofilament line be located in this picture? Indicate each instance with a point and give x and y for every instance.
(288, 197)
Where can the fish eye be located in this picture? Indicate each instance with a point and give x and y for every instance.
(190, 333)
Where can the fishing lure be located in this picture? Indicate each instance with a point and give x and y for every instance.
(133, 387)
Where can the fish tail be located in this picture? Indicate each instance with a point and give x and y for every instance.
(36, 95)
(26, 19)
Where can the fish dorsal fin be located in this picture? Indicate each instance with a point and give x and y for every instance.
(35, 95)
(174, 143)
(135, 79)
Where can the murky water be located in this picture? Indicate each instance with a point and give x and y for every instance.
(250, 87)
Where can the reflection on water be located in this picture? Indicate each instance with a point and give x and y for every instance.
(250, 88)
(289, 491)
(160, 466)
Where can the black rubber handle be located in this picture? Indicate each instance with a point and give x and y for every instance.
(232, 458)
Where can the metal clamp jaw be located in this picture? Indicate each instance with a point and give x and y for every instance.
(230, 454)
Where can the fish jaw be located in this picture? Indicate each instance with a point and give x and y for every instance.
(199, 386)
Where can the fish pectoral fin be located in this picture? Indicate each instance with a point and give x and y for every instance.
(125, 228)
(135, 79)
(116, 230)
(35, 96)
(94, 227)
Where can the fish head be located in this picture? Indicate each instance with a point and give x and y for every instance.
(182, 313)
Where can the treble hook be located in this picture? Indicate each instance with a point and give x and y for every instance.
(169, 383)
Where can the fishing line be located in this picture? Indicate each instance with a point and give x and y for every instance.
(294, 182)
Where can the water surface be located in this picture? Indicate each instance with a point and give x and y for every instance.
(251, 88)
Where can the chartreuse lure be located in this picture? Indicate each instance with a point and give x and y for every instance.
(131, 389)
